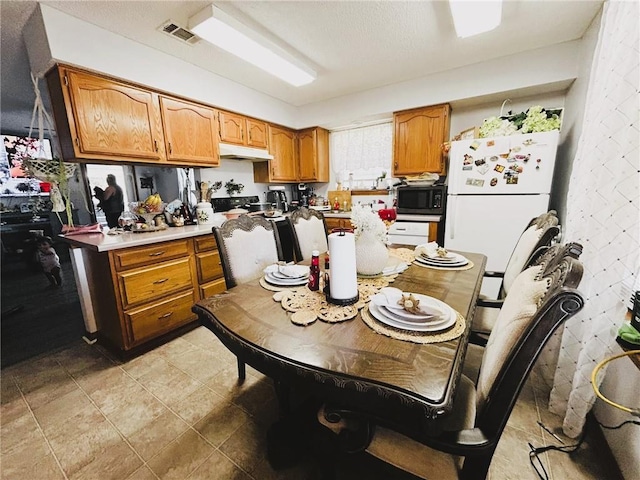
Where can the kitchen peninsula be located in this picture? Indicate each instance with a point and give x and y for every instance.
(136, 287)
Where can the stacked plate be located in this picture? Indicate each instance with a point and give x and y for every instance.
(286, 275)
(433, 315)
(450, 260)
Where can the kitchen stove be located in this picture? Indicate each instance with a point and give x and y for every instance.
(224, 204)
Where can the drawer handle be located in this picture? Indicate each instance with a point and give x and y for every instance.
(157, 254)
(166, 315)
(162, 280)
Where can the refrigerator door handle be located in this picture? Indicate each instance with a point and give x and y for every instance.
(454, 204)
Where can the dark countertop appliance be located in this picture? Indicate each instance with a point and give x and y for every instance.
(278, 196)
(224, 204)
(427, 200)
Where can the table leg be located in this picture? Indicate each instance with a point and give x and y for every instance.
(242, 370)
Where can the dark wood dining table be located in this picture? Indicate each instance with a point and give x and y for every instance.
(348, 362)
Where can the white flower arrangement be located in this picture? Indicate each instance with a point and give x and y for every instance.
(366, 220)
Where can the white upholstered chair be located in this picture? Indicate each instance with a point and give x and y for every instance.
(309, 231)
(540, 232)
(247, 245)
(542, 297)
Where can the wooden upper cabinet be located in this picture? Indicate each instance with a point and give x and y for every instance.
(283, 146)
(313, 151)
(240, 130)
(190, 133)
(418, 137)
(106, 119)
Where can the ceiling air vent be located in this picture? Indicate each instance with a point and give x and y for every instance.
(176, 31)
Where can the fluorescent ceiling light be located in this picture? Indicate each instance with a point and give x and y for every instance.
(473, 17)
(219, 28)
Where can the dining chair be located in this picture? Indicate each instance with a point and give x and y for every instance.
(247, 245)
(309, 231)
(462, 444)
(540, 232)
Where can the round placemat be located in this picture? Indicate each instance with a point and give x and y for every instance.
(304, 317)
(277, 288)
(411, 336)
(468, 266)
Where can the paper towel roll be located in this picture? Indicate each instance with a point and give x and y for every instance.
(342, 274)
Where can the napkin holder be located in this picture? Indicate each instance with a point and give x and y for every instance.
(343, 280)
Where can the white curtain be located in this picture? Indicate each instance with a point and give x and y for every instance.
(363, 152)
(602, 211)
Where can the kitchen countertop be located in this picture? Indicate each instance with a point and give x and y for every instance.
(103, 242)
(401, 217)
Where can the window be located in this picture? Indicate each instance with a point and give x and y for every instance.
(364, 153)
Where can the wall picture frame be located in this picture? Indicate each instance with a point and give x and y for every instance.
(469, 133)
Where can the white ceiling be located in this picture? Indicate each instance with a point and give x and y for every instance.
(354, 46)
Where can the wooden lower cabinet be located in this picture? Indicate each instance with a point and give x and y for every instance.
(333, 222)
(151, 288)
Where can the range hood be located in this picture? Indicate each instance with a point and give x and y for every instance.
(238, 152)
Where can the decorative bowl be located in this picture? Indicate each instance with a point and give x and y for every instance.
(145, 211)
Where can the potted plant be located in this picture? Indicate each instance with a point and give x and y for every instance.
(233, 188)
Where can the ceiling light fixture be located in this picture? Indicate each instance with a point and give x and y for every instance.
(224, 31)
(474, 17)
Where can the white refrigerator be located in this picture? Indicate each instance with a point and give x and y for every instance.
(495, 187)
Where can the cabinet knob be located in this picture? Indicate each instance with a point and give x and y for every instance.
(166, 315)
(169, 147)
(395, 164)
(155, 144)
(157, 254)
(162, 280)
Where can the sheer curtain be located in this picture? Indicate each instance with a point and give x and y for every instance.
(602, 211)
(363, 152)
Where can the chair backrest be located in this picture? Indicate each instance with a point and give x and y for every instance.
(542, 298)
(246, 245)
(309, 231)
(540, 231)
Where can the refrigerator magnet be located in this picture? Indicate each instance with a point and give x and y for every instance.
(474, 145)
(494, 181)
(467, 167)
(493, 158)
(468, 159)
(499, 168)
(475, 182)
(528, 141)
(512, 180)
(480, 161)
(516, 168)
(515, 149)
(490, 143)
(482, 169)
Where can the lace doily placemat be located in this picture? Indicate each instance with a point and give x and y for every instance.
(468, 266)
(404, 254)
(410, 336)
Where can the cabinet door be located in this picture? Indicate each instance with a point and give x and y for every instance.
(284, 150)
(313, 153)
(231, 127)
(418, 137)
(257, 133)
(113, 119)
(190, 132)
(307, 140)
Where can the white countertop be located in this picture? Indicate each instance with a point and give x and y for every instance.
(103, 242)
(401, 217)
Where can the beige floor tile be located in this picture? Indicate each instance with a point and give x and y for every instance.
(12, 404)
(201, 364)
(22, 437)
(28, 467)
(143, 473)
(181, 457)
(247, 447)
(116, 462)
(227, 383)
(221, 422)
(157, 434)
(203, 338)
(218, 466)
(101, 379)
(511, 459)
(56, 413)
(177, 346)
(135, 413)
(111, 396)
(142, 365)
(170, 384)
(525, 412)
(41, 386)
(81, 357)
(197, 405)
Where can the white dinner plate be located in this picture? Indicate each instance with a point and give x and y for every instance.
(451, 257)
(420, 327)
(433, 309)
(287, 277)
(432, 321)
(285, 282)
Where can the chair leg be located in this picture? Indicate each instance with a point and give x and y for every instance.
(476, 468)
(242, 370)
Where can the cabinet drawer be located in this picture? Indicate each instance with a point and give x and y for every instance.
(205, 242)
(134, 257)
(209, 266)
(212, 288)
(150, 283)
(161, 317)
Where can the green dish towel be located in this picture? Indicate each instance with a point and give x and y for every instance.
(629, 334)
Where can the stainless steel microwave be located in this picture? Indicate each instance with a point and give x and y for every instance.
(422, 200)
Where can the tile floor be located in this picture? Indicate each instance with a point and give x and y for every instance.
(178, 412)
